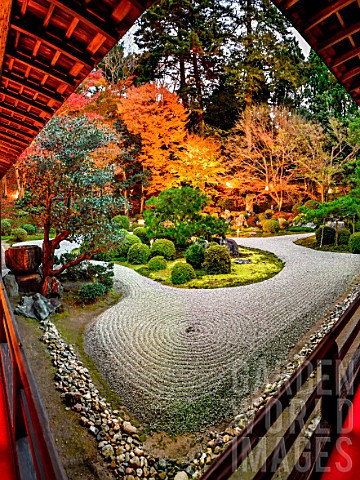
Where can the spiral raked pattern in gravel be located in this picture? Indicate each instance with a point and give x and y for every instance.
(184, 359)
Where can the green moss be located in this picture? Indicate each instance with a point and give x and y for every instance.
(264, 265)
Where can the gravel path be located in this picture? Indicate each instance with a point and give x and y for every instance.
(184, 359)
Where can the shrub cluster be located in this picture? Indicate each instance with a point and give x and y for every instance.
(271, 226)
(19, 234)
(141, 233)
(343, 236)
(122, 221)
(182, 273)
(138, 254)
(164, 248)
(328, 236)
(123, 249)
(30, 229)
(354, 242)
(5, 227)
(195, 255)
(311, 204)
(283, 223)
(91, 291)
(217, 260)
(157, 263)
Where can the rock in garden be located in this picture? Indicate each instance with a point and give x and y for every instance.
(107, 451)
(128, 428)
(181, 476)
(12, 288)
(53, 287)
(26, 308)
(29, 283)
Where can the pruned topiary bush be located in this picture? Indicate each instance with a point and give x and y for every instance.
(195, 255)
(141, 233)
(123, 249)
(164, 248)
(5, 227)
(217, 260)
(354, 242)
(91, 291)
(182, 273)
(328, 237)
(122, 221)
(30, 229)
(271, 226)
(343, 236)
(138, 254)
(19, 234)
(157, 263)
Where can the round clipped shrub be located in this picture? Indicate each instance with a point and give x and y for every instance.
(30, 229)
(269, 213)
(141, 233)
(354, 242)
(157, 263)
(122, 249)
(311, 204)
(262, 217)
(164, 248)
(91, 291)
(343, 236)
(5, 227)
(138, 254)
(271, 226)
(19, 234)
(328, 237)
(195, 255)
(182, 273)
(122, 221)
(217, 260)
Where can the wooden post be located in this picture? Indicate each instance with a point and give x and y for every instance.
(330, 397)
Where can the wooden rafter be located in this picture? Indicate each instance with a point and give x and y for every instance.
(344, 58)
(87, 19)
(351, 73)
(9, 128)
(13, 120)
(13, 139)
(53, 43)
(347, 32)
(24, 113)
(51, 95)
(30, 103)
(44, 69)
(326, 13)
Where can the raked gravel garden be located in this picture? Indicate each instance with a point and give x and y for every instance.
(185, 359)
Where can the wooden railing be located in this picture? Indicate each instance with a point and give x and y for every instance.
(34, 449)
(329, 395)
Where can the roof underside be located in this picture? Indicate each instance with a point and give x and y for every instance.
(332, 28)
(47, 47)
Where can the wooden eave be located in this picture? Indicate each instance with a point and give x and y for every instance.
(332, 28)
(47, 48)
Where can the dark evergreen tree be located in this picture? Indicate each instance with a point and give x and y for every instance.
(324, 96)
(184, 43)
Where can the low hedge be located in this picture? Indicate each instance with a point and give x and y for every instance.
(354, 242)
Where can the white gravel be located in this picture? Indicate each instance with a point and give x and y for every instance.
(184, 359)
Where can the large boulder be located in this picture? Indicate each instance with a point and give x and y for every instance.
(37, 307)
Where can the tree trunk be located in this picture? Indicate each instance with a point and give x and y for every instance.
(200, 113)
(249, 202)
(19, 183)
(4, 187)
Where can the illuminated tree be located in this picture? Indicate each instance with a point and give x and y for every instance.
(156, 115)
(262, 153)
